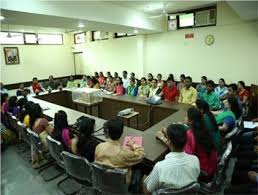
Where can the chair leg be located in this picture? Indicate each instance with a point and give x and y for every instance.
(65, 179)
(52, 177)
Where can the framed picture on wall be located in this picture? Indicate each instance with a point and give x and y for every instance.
(11, 55)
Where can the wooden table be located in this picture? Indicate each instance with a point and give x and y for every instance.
(160, 116)
(129, 117)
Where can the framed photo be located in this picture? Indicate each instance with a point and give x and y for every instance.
(11, 55)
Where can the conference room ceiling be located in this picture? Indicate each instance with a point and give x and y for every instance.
(110, 16)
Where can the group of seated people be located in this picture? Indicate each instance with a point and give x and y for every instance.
(195, 146)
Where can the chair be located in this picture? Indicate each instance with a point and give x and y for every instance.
(107, 180)
(189, 189)
(35, 140)
(24, 134)
(56, 148)
(78, 168)
(12, 121)
(216, 185)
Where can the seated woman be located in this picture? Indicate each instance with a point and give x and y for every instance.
(226, 119)
(4, 102)
(181, 83)
(154, 89)
(144, 89)
(39, 125)
(71, 83)
(101, 79)
(25, 116)
(150, 78)
(243, 93)
(202, 87)
(110, 84)
(200, 143)
(83, 82)
(132, 89)
(21, 105)
(85, 145)
(36, 86)
(61, 130)
(95, 83)
(210, 123)
(12, 106)
(221, 90)
(119, 88)
(160, 82)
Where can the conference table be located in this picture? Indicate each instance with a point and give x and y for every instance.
(151, 117)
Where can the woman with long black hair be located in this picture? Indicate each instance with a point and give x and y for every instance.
(210, 123)
(85, 145)
(200, 143)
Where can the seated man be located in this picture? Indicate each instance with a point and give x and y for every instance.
(178, 169)
(210, 97)
(111, 153)
(154, 89)
(36, 86)
(170, 92)
(52, 84)
(188, 94)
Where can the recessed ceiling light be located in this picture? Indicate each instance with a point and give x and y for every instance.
(2, 17)
(81, 25)
(135, 31)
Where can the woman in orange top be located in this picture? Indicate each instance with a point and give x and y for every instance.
(36, 86)
(242, 92)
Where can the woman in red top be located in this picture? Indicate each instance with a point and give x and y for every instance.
(243, 93)
(101, 79)
(36, 86)
(170, 92)
(200, 144)
(119, 88)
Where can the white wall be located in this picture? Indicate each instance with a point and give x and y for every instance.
(38, 61)
(233, 56)
(114, 55)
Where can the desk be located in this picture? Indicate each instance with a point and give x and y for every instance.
(166, 113)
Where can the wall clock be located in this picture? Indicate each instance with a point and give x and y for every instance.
(209, 39)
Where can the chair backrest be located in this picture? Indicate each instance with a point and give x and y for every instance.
(219, 177)
(55, 148)
(109, 180)
(12, 121)
(189, 189)
(35, 140)
(24, 134)
(77, 167)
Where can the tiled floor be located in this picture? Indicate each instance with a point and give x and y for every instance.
(19, 178)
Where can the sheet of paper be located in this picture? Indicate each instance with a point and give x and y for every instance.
(137, 140)
(250, 124)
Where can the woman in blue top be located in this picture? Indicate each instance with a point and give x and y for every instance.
(221, 90)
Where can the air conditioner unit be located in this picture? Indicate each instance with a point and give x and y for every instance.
(205, 18)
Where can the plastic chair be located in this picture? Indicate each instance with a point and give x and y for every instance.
(107, 180)
(189, 189)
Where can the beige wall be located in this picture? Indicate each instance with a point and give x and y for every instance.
(38, 61)
(233, 56)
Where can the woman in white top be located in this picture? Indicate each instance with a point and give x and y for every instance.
(154, 88)
(221, 90)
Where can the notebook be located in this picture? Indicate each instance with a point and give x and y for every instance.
(250, 124)
(137, 140)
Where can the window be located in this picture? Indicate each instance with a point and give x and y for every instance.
(11, 38)
(98, 35)
(30, 38)
(79, 38)
(48, 39)
(193, 18)
(120, 35)
(186, 20)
